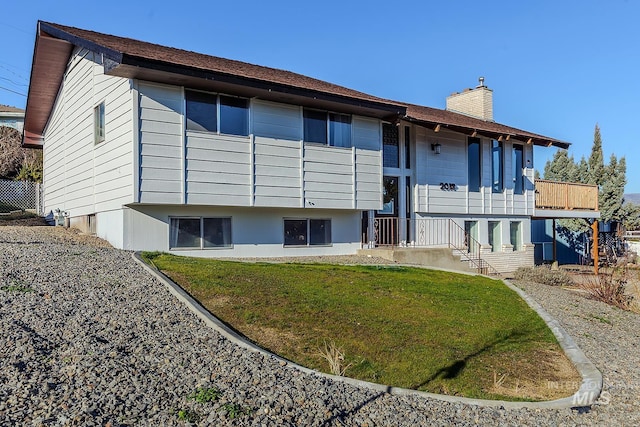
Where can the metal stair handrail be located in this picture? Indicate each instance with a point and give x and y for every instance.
(469, 249)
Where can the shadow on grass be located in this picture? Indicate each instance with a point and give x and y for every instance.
(455, 369)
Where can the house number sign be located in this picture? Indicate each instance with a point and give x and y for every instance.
(448, 186)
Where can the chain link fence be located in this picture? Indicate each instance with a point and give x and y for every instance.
(20, 195)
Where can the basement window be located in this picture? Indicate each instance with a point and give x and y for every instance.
(307, 232)
(98, 123)
(200, 233)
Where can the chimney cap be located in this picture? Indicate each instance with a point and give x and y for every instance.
(481, 81)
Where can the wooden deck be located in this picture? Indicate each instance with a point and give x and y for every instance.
(566, 196)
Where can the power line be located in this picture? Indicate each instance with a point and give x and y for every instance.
(15, 28)
(12, 82)
(11, 71)
(13, 91)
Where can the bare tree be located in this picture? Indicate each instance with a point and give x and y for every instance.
(15, 160)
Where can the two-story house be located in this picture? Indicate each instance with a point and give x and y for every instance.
(156, 148)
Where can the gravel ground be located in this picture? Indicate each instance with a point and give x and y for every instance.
(88, 338)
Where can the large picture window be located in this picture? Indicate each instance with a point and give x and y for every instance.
(205, 110)
(200, 233)
(327, 128)
(473, 158)
(307, 232)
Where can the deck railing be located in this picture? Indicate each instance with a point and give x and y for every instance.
(566, 195)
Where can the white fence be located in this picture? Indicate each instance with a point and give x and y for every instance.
(17, 195)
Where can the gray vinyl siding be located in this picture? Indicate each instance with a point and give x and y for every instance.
(272, 167)
(328, 177)
(277, 172)
(82, 177)
(277, 121)
(161, 143)
(451, 167)
(218, 169)
(368, 179)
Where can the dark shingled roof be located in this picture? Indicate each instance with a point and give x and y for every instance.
(133, 58)
(201, 61)
(463, 123)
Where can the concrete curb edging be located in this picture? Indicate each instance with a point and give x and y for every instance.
(587, 394)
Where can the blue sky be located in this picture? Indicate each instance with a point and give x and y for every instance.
(556, 67)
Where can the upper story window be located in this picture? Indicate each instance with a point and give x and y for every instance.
(212, 113)
(390, 146)
(497, 169)
(98, 123)
(327, 128)
(518, 169)
(473, 165)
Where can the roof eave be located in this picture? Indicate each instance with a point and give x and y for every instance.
(478, 131)
(51, 53)
(134, 67)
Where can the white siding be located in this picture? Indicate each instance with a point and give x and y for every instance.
(451, 167)
(277, 172)
(218, 169)
(368, 179)
(278, 121)
(80, 176)
(272, 167)
(328, 177)
(161, 143)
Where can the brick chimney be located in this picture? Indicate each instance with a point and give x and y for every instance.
(476, 102)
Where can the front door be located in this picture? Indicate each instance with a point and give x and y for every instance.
(392, 224)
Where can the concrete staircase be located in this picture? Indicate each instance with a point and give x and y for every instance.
(431, 257)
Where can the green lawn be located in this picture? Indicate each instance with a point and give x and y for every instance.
(408, 327)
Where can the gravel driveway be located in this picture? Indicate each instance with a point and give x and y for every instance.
(87, 337)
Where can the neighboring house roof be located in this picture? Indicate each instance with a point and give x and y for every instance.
(135, 59)
(9, 109)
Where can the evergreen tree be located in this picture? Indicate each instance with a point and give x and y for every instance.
(611, 195)
(597, 170)
(561, 168)
(631, 216)
(582, 171)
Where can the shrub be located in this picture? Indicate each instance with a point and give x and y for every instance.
(543, 274)
(609, 287)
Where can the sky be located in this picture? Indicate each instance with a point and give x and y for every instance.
(556, 68)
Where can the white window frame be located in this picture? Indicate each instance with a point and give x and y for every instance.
(99, 126)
